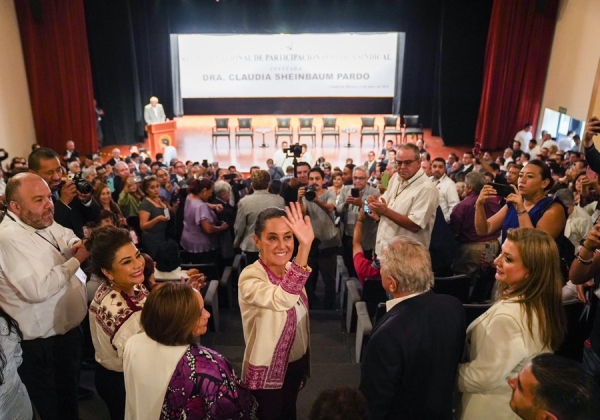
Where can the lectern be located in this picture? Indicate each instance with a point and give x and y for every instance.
(159, 131)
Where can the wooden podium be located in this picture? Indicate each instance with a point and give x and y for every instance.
(159, 131)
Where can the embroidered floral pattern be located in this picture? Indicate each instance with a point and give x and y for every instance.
(281, 355)
(204, 386)
(112, 309)
(255, 376)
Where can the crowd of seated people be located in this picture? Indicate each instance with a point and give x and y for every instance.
(79, 233)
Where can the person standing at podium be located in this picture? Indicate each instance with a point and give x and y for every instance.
(154, 112)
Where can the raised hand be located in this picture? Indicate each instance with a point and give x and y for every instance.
(516, 199)
(592, 128)
(197, 281)
(300, 226)
(379, 207)
(487, 192)
(592, 240)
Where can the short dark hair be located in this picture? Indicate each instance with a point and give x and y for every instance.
(171, 313)
(350, 166)
(439, 159)
(103, 244)
(159, 156)
(107, 214)
(266, 215)
(528, 125)
(468, 152)
(527, 155)
(198, 185)
(534, 141)
(565, 388)
(260, 179)
(303, 164)
(340, 403)
(146, 183)
(545, 171)
(42, 153)
(319, 170)
(135, 155)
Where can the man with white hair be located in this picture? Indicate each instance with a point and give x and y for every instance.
(71, 154)
(410, 362)
(116, 157)
(154, 112)
(122, 172)
(74, 167)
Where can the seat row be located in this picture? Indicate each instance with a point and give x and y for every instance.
(306, 128)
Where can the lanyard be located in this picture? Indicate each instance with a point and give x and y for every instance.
(402, 190)
(54, 244)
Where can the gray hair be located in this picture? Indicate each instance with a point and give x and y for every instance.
(408, 263)
(359, 168)
(475, 180)
(72, 164)
(86, 172)
(120, 163)
(413, 147)
(222, 187)
(565, 195)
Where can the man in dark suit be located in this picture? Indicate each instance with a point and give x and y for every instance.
(71, 154)
(72, 209)
(467, 163)
(410, 362)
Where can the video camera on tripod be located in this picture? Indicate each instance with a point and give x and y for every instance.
(295, 151)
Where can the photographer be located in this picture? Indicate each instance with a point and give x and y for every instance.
(349, 203)
(289, 191)
(319, 204)
(73, 204)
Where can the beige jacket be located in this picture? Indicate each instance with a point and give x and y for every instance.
(267, 304)
(498, 346)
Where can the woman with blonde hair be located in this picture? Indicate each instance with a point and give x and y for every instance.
(526, 320)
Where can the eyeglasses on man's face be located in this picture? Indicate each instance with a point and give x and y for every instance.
(406, 162)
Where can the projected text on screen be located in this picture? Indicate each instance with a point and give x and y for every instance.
(271, 66)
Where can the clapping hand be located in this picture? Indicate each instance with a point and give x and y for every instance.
(197, 281)
(592, 240)
(300, 226)
(378, 205)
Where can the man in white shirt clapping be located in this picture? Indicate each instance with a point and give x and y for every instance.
(43, 288)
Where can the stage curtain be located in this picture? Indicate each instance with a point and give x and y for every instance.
(517, 57)
(53, 35)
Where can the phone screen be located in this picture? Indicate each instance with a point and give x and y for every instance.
(366, 207)
(111, 184)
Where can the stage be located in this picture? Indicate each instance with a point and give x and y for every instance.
(194, 141)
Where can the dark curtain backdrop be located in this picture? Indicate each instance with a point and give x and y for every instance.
(445, 45)
(517, 57)
(53, 35)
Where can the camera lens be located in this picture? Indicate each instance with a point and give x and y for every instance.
(84, 187)
(310, 193)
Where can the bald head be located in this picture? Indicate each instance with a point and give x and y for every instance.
(29, 198)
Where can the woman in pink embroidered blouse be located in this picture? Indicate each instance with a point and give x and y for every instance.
(274, 312)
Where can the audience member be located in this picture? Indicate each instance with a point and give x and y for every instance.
(248, 211)
(275, 172)
(422, 332)
(512, 175)
(227, 216)
(71, 154)
(363, 266)
(579, 222)
(534, 149)
(467, 163)
(462, 222)
(528, 206)
(289, 191)
(446, 187)
(554, 387)
(200, 226)
(347, 174)
(122, 173)
(154, 217)
(371, 163)
(115, 310)
(566, 143)
(187, 380)
(43, 289)
(349, 202)
(524, 136)
(72, 208)
(342, 403)
(274, 307)
(169, 152)
(105, 202)
(526, 320)
(14, 399)
(426, 166)
(319, 204)
(337, 183)
(130, 199)
(384, 156)
(408, 206)
(116, 157)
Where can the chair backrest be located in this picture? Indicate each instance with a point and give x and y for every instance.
(306, 122)
(368, 121)
(475, 310)
(411, 120)
(244, 122)
(222, 122)
(283, 122)
(329, 122)
(457, 286)
(390, 121)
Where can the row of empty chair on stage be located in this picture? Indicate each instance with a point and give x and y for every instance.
(400, 128)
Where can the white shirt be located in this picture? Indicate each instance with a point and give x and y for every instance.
(548, 144)
(565, 144)
(393, 302)
(279, 158)
(169, 154)
(579, 223)
(448, 195)
(523, 137)
(148, 368)
(38, 285)
(417, 199)
(307, 157)
(534, 152)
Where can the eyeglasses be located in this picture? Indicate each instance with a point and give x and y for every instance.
(406, 162)
(360, 178)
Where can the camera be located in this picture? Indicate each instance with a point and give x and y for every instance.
(82, 185)
(294, 149)
(310, 193)
(229, 177)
